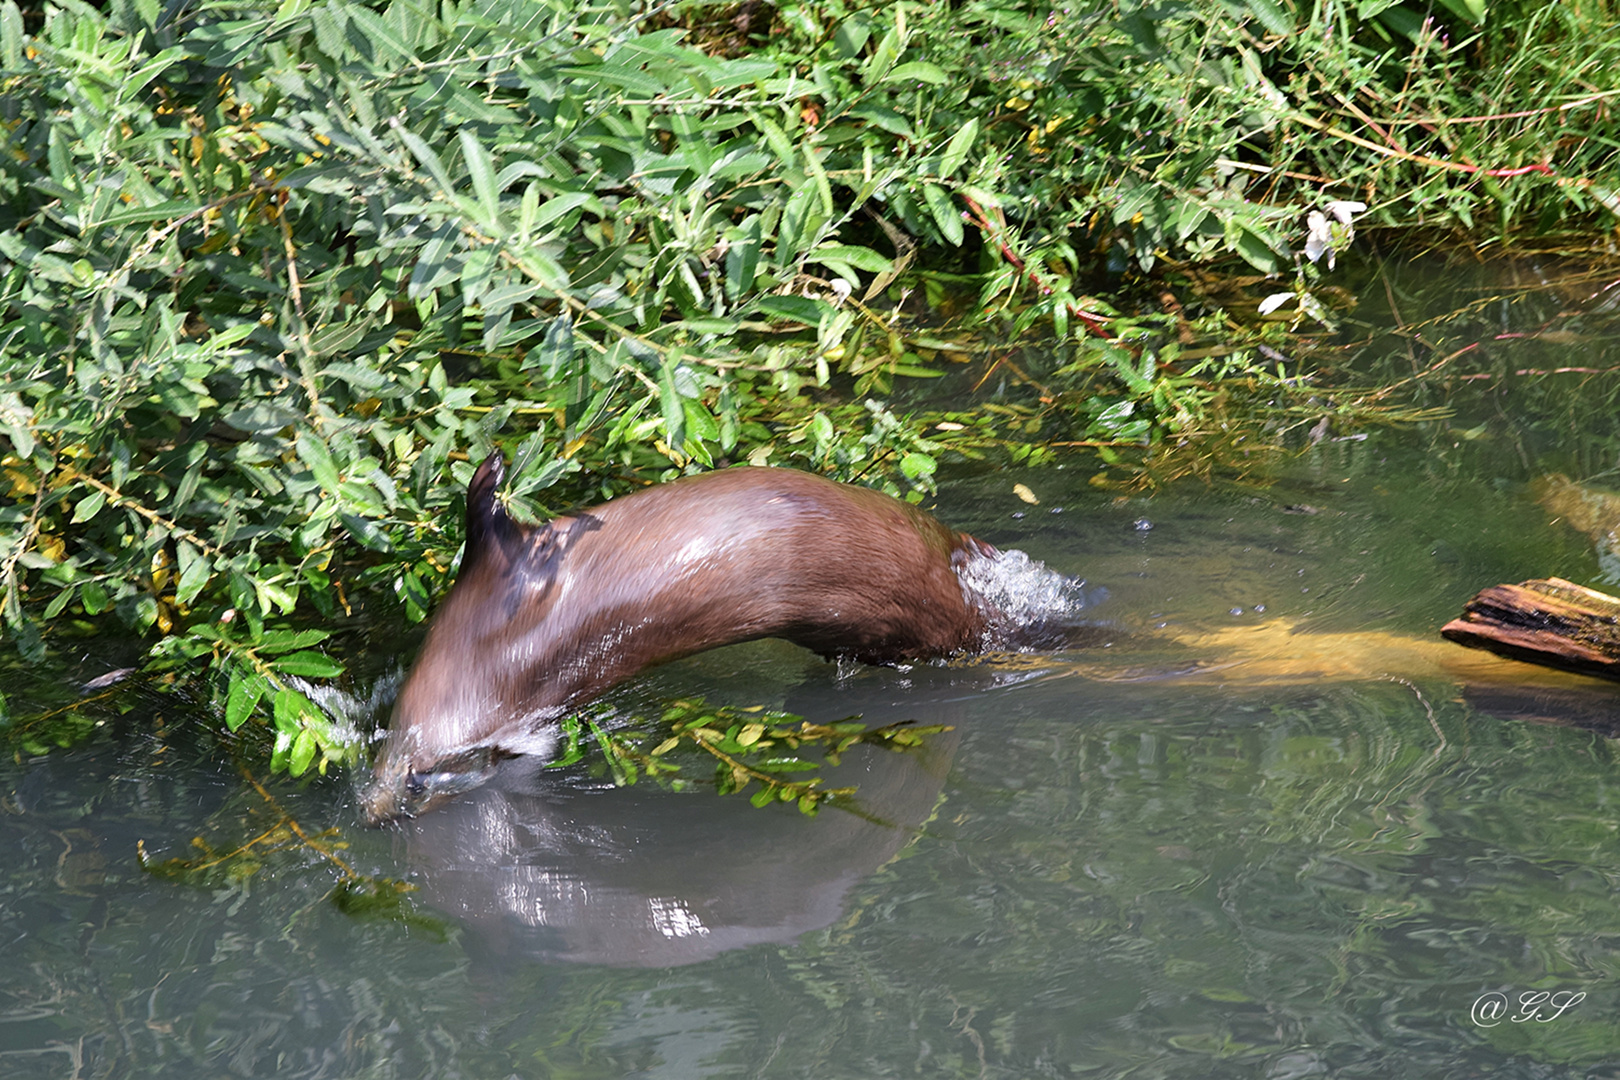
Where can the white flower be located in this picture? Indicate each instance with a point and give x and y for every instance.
(1322, 237)
(1318, 237)
(1344, 210)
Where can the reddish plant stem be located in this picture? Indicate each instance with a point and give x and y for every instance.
(997, 233)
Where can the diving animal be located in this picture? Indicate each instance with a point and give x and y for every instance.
(542, 619)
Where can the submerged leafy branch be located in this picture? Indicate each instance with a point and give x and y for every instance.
(743, 747)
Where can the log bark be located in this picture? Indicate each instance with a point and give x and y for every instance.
(1548, 621)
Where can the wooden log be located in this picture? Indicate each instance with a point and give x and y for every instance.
(1548, 621)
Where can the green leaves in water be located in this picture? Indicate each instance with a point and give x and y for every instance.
(744, 747)
(266, 671)
(385, 900)
(51, 729)
(362, 896)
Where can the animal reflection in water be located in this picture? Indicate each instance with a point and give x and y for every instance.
(538, 869)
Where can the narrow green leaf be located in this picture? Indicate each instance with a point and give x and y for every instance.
(163, 211)
(271, 595)
(956, 151)
(776, 138)
(796, 226)
(700, 422)
(17, 424)
(89, 507)
(823, 185)
(60, 601)
(631, 78)
(93, 597)
(195, 572)
(302, 753)
(426, 155)
(742, 258)
(367, 532)
(882, 59)
(673, 408)
(288, 710)
(862, 258)
(887, 119)
(314, 454)
(12, 37)
(805, 310)
(555, 354)
(1277, 21)
(1253, 247)
(188, 484)
(379, 32)
(278, 754)
(946, 216)
(482, 170)
(280, 641)
(918, 70)
(138, 79)
(916, 466)
(987, 199)
(560, 204)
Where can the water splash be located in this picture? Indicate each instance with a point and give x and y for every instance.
(1034, 604)
(357, 714)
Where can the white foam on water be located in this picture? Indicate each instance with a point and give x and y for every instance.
(1028, 599)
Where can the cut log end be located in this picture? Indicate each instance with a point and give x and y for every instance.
(1548, 621)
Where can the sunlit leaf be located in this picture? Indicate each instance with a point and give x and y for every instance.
(89, 507)
(311, 665)
(956, 151)
(246, 690)
(918, 71)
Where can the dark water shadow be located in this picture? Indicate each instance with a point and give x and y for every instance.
(1591, 705)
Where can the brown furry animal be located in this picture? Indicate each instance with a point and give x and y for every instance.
(542, 619)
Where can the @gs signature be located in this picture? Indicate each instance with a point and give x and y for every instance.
(1542, 1006)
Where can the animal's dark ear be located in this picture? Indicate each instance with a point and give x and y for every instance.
(487, 522)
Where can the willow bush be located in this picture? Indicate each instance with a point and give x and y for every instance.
(274, 277)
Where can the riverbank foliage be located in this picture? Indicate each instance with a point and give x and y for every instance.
(273, 277)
